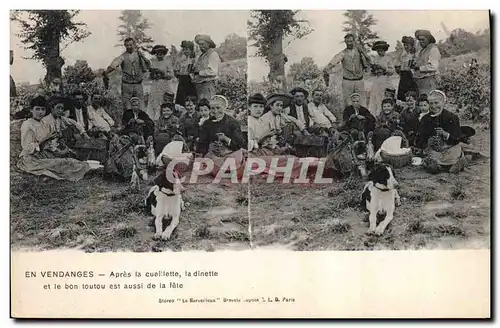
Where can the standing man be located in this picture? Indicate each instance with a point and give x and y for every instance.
(133, 65)
(206, 68)
(354, 61)
(426, 66)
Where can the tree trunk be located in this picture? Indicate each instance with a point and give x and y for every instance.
(54, 62)
(277, 64)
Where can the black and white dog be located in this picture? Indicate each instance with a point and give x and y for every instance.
(380, 197)
(163, 201)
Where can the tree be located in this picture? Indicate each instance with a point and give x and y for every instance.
(399, 47)
(78, 73)
(305, 70)
(46, 33)
(461, 42)
(233, 47)
(359, 23)
(268, 29)
(134, 26)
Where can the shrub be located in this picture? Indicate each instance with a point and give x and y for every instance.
(468, 89)
(232, 84)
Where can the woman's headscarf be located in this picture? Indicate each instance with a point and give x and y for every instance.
(442, 95)
(222, 98)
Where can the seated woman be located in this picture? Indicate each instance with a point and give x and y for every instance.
(439, 136)
(357, 119)
(56, 122)
(136, 123)
(40, 156)
(258, 135)
(409, 117)
(277, 123)
(220, 135)
(388, 124)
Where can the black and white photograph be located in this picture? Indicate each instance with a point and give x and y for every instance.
(100, 110)
(393, 107)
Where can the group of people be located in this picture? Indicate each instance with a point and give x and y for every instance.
(196, 75)
(417, 66)
(193, 114)
(415, 112)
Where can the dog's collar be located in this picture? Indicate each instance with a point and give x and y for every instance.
(166, 194)
(381, 189)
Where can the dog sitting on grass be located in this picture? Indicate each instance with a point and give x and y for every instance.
(380, 197)
(164, 201)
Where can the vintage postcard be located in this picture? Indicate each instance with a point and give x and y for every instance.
(250, 163)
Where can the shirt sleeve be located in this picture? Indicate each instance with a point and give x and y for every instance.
(433, 64)
(329, 115)
(108, 118)
(77, 125)
(212, 68)
(28, 140)
(116, 62)
(287, 119)
(335, 60)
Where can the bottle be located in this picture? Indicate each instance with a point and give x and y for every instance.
(370, 151)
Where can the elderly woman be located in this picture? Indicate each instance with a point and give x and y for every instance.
(381, 68)
(205, 68)
(182, 70)
(41, 154)
(439, 136)
(161, 72)
(220, 130)
(406, 61)
(426, 68)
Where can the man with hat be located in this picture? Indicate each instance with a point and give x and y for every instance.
(161, 72)
(426, 66)
(133, 65)
(205, 68)
(183, 66)
(354, 60)
(298, 108)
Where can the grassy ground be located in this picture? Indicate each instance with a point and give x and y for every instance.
(100, 216)
(442, 211)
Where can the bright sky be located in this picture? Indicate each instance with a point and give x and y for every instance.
(168, 27)
(327, 38)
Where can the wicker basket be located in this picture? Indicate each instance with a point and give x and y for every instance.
(398, 160)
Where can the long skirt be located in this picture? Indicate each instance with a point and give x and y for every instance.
(406, 83)
(184, 89)
(158, 89)
(447, 159)
(45, 163)
(377, 91)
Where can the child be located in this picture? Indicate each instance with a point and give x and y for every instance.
(204, 109)
(166, 127)
(423, 106)
(409, 117)
(387, 123)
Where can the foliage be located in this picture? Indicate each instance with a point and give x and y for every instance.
(468, 89)
(266, 22)
(461, 42)
(233, 47)
(78, 73)
(399, 47)
(305, 70)
(43, 31)
(267, 29)
(134, 26)
(232, 84)
(360, 23)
